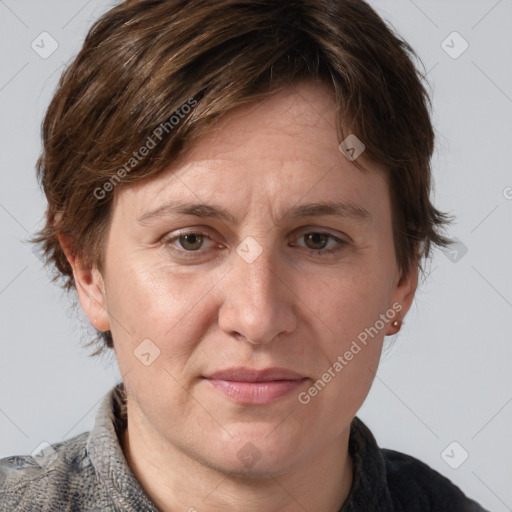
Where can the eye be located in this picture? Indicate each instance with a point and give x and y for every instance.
(186, 244)
(318, 242)
(195, 244)
(191, 241)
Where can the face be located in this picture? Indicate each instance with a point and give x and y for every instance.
(252, 299)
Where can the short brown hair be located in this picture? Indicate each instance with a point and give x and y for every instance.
(144, 60)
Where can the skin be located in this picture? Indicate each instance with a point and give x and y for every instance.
(291, 307)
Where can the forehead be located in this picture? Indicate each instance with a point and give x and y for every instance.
(280, 150)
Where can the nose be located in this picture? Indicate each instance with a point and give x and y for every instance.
(258, 303)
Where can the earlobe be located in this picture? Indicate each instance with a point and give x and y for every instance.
(403, 295)
(91, 293)
(90, 288)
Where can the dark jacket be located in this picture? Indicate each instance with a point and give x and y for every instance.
(89, 473)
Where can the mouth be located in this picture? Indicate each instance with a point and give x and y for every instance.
(256, 387)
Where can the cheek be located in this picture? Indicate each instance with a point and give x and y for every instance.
(160, 304)
(156, 297)
(169, 305)
(351, 305)
(345, 378)
(335, 397)
(349, 300)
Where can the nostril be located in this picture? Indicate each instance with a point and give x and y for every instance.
(241, 337)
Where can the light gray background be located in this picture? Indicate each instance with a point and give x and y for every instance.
(447, 377)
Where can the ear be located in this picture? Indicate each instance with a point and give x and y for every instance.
(403, 295)
(90, 288)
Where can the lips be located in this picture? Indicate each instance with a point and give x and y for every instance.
(257, 387)
(252, 375)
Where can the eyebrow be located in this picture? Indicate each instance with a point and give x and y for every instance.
(343, 209)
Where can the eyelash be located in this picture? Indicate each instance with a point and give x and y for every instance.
(168, 242)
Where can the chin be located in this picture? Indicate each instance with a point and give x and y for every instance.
(251, 463)
(256, 452)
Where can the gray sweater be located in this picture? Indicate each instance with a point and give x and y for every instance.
(89, 473)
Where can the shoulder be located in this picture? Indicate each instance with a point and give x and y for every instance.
(53, 479)
(413, 485)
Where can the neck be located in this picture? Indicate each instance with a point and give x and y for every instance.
(175, 480)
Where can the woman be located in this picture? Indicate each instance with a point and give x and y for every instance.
(238, 190)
